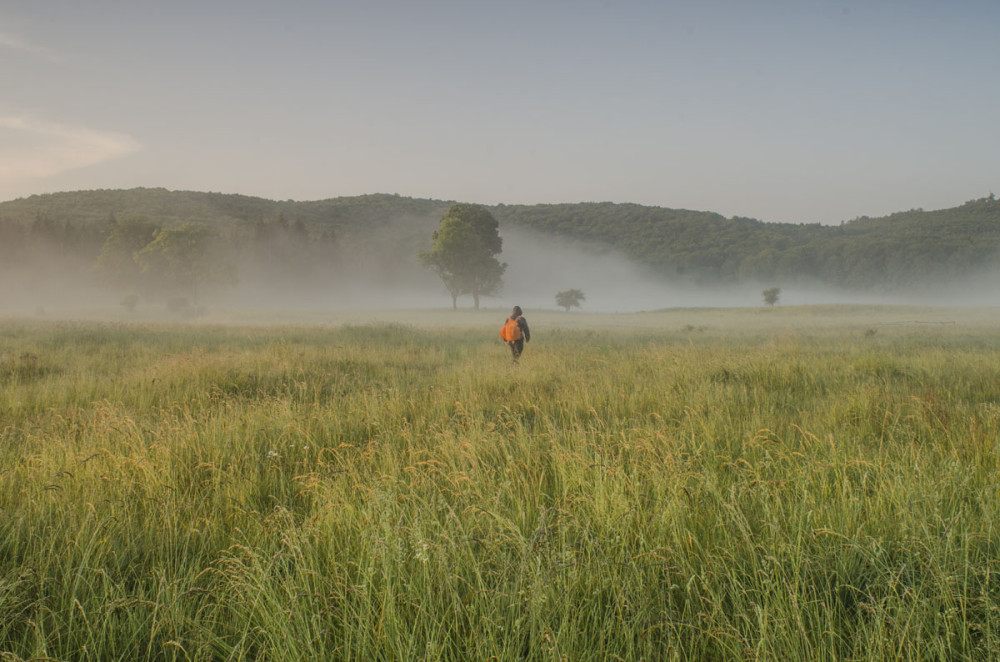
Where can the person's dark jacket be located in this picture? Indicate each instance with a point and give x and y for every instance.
(523, 325)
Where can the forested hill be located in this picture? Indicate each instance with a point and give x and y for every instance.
(901, 251)
(224, 212)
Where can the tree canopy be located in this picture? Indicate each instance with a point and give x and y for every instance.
(117, 264)
(464, 250)
(185, 258)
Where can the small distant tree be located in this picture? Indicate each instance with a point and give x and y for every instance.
(464, 252)
(569, 299)
(771, 295)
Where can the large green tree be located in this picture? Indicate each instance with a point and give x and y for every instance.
(185, 258)
(464, 251)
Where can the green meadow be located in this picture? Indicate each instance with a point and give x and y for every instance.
(813, 483)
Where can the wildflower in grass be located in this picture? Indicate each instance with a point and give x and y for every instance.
(421, 553)
(272, 453)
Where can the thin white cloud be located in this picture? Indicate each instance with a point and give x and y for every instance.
(34, 149)
(17, 43)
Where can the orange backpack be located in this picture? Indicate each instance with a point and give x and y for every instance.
(510, 331)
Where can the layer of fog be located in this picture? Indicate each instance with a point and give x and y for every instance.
(539, 266)
(387, 275)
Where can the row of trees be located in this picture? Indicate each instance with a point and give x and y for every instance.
(47, 261)
(20, 242)
(173, 262)
(182, 260)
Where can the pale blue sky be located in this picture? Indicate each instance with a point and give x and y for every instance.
(798, 111)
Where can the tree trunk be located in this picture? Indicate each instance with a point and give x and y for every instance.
(454, 302)
(475, 299)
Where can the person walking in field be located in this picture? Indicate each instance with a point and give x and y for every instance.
(515, 333)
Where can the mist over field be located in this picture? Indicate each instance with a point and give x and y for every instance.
(71, 254)
(364, 256)
(539, 266)
(51, 281)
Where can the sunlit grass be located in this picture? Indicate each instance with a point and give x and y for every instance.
(699, 485)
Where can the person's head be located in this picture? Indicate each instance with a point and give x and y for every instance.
(516, 312)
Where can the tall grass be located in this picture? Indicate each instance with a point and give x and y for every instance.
(392, 492)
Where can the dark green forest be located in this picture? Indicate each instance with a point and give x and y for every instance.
(270, 245)
(895, 253)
